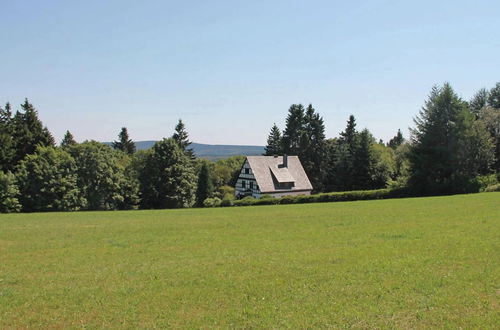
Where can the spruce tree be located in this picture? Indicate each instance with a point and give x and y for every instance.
(124, 144)
(494, 97)
(29, 132)
(396, 141)
(68, 140)
(181, 136)
(293, 130)
(312, 151)
(363, 162)
(274, 142)
(479, 100)
(443, 131)
(205, 188)
(7, 150)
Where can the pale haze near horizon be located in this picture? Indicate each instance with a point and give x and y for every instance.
(231, 69)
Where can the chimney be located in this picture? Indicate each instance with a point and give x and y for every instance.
(285, 160)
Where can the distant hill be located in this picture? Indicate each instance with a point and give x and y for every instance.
(211, 151)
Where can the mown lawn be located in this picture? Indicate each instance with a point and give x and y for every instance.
(406, 263)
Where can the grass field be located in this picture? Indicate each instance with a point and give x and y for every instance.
(407, 263)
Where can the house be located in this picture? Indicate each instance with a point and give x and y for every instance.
(272, 175)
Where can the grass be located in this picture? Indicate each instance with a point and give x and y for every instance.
(407, 263)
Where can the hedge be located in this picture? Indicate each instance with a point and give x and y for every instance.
(341, 196)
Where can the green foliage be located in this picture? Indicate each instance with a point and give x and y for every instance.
(274, 142)
(293, 130)
(448, 147)
(490, 118)
(494, 97)
(7, 143)
(28, 132)
(9, 193)
(212, 202)
(492, 188)
(101, 177)
(47, 181)
(204, 187)
(225, 171)
(68, 140)
(396, 141)
(168, 179)
(181, 136)
(124, 144)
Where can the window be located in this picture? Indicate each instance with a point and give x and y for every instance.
(243, 184)
(251, 185)
(247, 171)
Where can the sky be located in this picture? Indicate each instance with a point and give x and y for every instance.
(230, 69)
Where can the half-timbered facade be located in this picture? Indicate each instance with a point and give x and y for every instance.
(272, 175)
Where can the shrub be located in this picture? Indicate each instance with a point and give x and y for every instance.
(247, 201)
(227, 202)
(8, 193)
(212, 202)
(492, 188)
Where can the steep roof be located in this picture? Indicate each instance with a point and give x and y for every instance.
(271, 176)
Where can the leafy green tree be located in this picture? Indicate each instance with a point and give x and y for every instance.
(204, 188)
(124, 144)
(168, 179)
(490, 117)
(101, 177)
(294, 129)
(47, 181)
(438, 163)
(383, 167)
(274, 142)
(7, 150)
(9, 193)
(29, 132)
(181, 136)
(68, 140)
(396, 141)
(494, 97)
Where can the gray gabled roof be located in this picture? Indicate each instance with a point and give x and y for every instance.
(269, 173)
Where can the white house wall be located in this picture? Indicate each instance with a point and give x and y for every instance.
(248, 178)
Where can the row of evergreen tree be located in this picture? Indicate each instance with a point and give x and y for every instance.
(453, 142)
(36, 175)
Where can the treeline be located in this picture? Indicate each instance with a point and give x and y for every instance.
(453, 145)
(454, 148)
(36, 175)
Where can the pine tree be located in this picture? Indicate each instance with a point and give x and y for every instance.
(443, 129)
(274, 142)
(363, 162)
(494, 97)
(29, 132)
(312, 151)
(204, 189)
(68, 140)
(293, 130)
(124, 144)
(7, 150)
(396, 141)
(349, 135)
(182, 138)
(479, 100)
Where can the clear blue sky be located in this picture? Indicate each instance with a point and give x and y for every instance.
(230, 69)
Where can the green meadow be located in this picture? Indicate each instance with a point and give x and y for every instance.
(400, 263)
